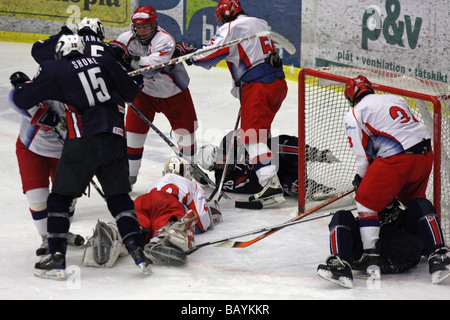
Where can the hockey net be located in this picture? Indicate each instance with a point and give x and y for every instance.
(322, 107)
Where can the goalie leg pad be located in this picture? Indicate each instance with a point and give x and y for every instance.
(104, 247)
(161, 252)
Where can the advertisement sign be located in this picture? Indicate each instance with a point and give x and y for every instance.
(401, 36)
(115, 13)
(193, 21)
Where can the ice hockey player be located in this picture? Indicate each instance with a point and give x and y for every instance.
(259, 84)
(39, 146)
(241, 177)
(38, 149)
(164, 90)
(173, 210)
(394, 159)
(405, 235)
(95, 90)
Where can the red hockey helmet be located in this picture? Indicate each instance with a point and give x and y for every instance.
(228, 10)
(144, 24)
(357, 88)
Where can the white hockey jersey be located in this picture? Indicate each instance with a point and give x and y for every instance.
(380, 126)
(189, 194)
(160, 83)
(240, 57)
(46, 144)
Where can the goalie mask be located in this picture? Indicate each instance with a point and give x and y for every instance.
(91, 26)
(69, 46)
(207, 157)
(357, 88)
(178, 166)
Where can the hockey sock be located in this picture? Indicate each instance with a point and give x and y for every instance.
(58, 223)
(262, 160)
(422, 218)
(135, 151)
(122, 209)
(369, 226)
(344, 235)
(37, 201)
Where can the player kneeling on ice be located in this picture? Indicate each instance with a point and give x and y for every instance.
(406, 234)
(170, 214)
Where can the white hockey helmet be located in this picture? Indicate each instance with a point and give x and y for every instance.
(179, 166)
(207, 157)
(69, 45)
(91, 26)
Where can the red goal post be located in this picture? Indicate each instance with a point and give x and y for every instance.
(322, 107)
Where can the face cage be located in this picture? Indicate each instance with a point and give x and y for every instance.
(145, 39)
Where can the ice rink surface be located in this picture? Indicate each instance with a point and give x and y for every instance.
(280, 267)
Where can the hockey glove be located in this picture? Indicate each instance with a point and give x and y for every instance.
(18, 78)
(183, 48)
(45, 118)
(275, 60)
(356, 181)
(122, 52)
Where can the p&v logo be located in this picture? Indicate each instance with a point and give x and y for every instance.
(392, 28)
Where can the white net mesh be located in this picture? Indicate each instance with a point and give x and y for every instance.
(325, 107)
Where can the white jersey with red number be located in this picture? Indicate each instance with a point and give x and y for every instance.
(240, 57)
(46, 144)
(160, 83)
(380, 126)
(189, 194)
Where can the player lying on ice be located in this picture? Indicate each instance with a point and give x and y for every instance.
(241, 177)
(173, 210)
(405, 236)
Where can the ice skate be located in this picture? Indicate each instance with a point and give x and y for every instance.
(271, 194)
(439, 265)
(51, 266)
(139, 257)
(337, 271)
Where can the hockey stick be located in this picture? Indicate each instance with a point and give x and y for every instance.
(218, 243)
(228, 243)
(290, 48)
(218, 192)
(243, 244)
(171, 144)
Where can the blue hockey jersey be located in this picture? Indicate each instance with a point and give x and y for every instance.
(94, 90)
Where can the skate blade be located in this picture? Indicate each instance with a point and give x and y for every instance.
(145, 268)
(345, 282)
(439, 276)
(53, 274)
(271, 202)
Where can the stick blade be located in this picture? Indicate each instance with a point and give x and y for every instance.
(285, 43)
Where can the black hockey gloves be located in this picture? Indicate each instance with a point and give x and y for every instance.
(18, 78)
